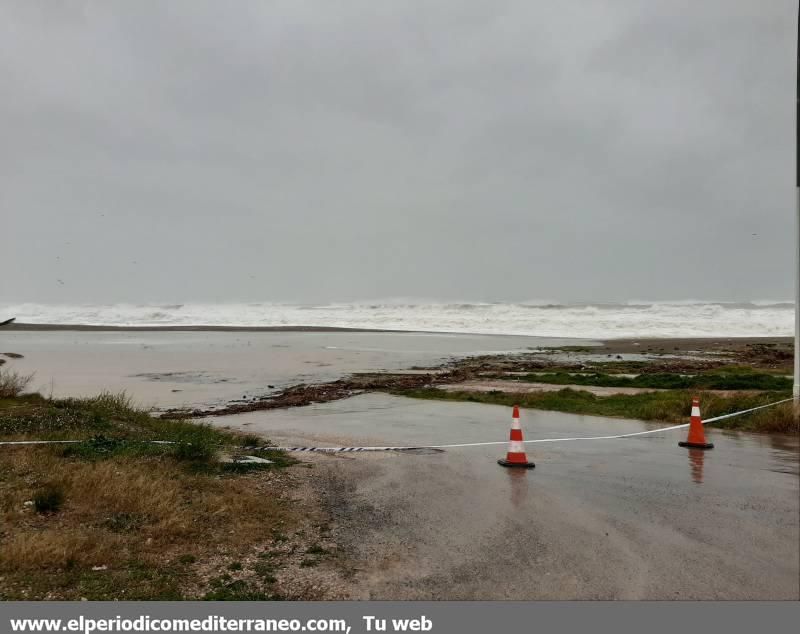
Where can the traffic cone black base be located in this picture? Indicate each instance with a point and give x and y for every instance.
(696, 445)
(524, 465)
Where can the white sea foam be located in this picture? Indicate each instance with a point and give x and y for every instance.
(546, 319)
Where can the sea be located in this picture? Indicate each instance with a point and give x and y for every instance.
(686, 318)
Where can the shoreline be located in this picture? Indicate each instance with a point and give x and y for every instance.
(628, 342)
(223, 372)
(194, 328)
(654, 380)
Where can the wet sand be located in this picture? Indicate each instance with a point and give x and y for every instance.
(526, 387)
(199, 328)
(638, 518)
(200, 369)
(193, 368)
(699, 344)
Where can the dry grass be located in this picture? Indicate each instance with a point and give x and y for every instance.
(124, 514)
(12, 383)
(115, 518)
(778, 419)
(50, 549)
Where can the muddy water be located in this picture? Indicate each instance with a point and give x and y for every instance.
(203, 369)
(615, 519)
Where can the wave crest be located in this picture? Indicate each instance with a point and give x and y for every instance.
(596, 321)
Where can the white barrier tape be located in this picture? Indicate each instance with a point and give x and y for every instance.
(337, 449)
(468, 444)
(38, 442)
(745, 411)
(67, 442)
(536, 440)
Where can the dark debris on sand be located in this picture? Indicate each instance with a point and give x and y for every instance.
(304, 394)
(675, 356)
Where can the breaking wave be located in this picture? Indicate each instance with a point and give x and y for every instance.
(545, 319)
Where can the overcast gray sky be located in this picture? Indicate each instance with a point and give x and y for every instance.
(457, 149)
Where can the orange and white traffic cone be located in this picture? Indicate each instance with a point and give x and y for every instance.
(697, 435)
(516, 449)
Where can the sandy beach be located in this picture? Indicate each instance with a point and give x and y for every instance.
(208, 367)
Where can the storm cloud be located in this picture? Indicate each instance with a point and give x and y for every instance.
(456, 150)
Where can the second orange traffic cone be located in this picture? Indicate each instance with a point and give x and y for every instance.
(516, 449)
(697, 435)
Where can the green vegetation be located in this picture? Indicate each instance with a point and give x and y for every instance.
(316, 549)
(49, 498)
(266, 571)
(672, 406)
(733, 379)
(226, 589)
(115, 516)
(278, 458)
(110, 426)
(250, 440)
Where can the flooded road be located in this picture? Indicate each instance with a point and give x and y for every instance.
(637, 518)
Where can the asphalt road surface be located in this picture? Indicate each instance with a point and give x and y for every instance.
(636, 518)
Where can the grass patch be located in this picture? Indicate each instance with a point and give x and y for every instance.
(223, 589)
(316, 549)
(279, 458)
(265, 571)
(101, 448)
(151, 510)
(124, 522)
(672, 406)
(135, 581)
(195, 447)
(111, 427)
(251, 440)
(735, 379)
(114, 516)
